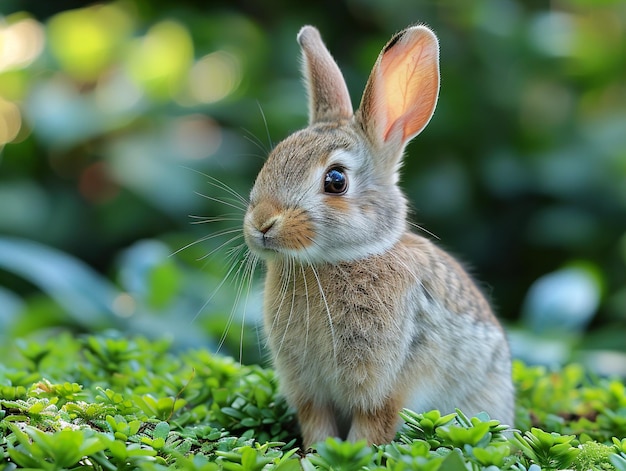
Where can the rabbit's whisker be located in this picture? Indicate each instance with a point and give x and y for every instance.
(328, 313)
(240, 278)
(252, 138)
(267, 128)
(285, 278)
(255, 261)
(220, 185)
(235, 265)
(308, 311)
(209, 237)
(291, 309)
(250, 264)
(220, 247)
(232, 202)
(224, 218)
(424, 230)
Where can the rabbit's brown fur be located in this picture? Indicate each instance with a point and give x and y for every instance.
(354, 338)
(364, 317)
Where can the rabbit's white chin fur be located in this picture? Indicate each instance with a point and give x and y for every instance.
(347, 254)
(315, 255)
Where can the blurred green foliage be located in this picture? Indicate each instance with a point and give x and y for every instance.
(114, 401)
(116, 117)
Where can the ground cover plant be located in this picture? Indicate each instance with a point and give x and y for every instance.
(111, 402)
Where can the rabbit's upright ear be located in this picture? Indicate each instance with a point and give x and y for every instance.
(329, 99)
(401, 93)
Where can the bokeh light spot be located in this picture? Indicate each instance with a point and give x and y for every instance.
(124, 305)
(20, 43)
(159, 61)
(116, 93)
(196, 137)
(564, 300)
(553, 33)
(85, 41)
(214, 77)
(10, 121)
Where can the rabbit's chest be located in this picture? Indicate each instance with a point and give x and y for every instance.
(335, 306)
(337, 333)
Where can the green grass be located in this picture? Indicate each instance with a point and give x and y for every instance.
(107, 402)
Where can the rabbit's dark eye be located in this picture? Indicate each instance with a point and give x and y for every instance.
(336, 181)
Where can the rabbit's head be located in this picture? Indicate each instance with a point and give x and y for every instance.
(329, 192)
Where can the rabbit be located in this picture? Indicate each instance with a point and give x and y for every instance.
(362, 316)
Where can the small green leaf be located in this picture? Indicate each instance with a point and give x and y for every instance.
(162, 430)
(619, 461)
(453, 462)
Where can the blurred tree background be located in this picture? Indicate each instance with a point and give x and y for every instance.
(116, 116)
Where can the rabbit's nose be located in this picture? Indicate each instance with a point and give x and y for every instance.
(265, 216)
(267, 225)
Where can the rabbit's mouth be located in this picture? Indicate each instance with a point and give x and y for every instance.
(260, 243)
(270, 230)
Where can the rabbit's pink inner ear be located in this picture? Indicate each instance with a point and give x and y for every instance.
(409, 76)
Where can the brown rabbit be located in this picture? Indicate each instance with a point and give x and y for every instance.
(363, 317)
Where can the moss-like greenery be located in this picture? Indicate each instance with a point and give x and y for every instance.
(107, 402)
